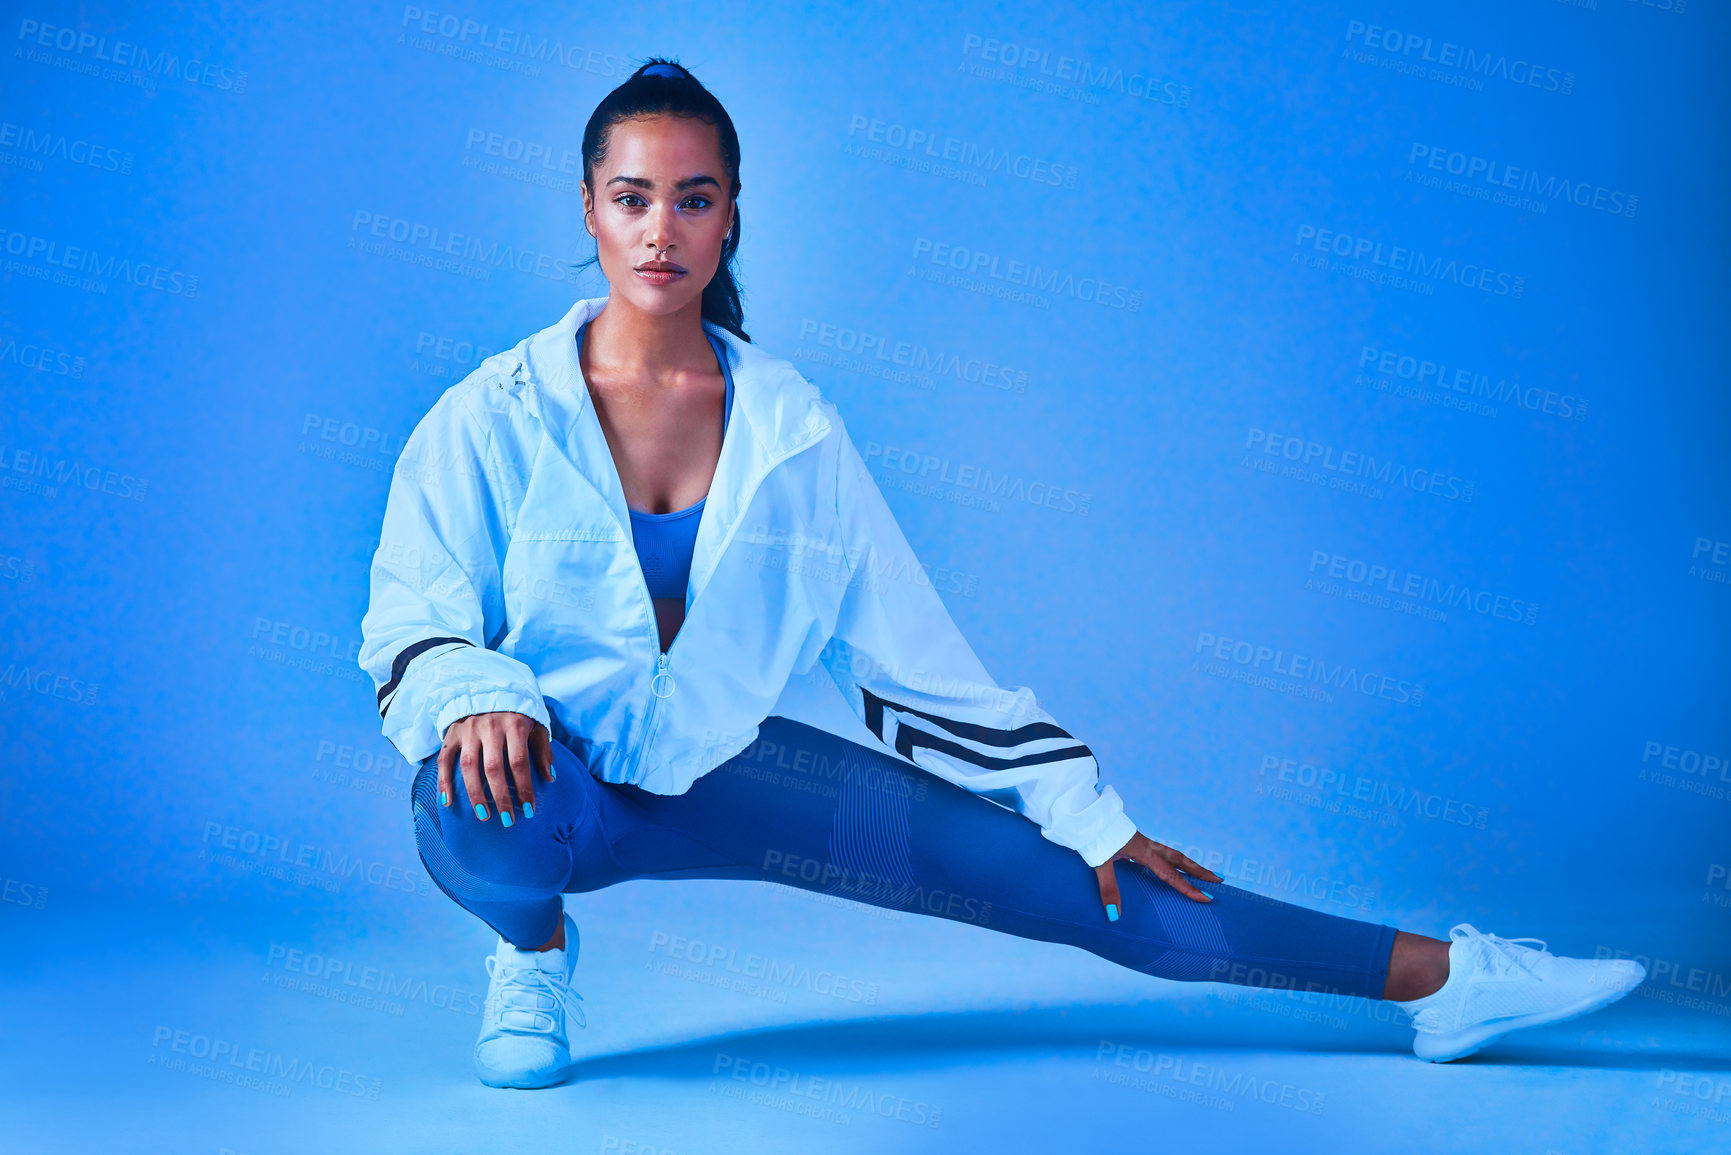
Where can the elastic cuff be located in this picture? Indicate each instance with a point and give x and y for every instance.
(1381, 954)
(490, 702)
(1107, 841)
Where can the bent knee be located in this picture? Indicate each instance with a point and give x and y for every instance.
(469, 855)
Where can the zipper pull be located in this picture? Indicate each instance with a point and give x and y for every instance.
(662, 683)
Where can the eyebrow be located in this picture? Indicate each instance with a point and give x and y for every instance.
(680, 186)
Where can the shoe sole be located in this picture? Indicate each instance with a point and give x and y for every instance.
(519, 1081)
(1464, 1043)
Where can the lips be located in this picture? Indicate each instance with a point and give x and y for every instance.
(659, 272)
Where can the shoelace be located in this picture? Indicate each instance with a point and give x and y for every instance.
(533, 982)
(1505, 953)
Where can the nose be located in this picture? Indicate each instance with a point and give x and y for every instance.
(658, 229)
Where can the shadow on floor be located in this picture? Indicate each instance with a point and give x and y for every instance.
(913, 1042)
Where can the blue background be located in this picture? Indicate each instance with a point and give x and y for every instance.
(195, 473)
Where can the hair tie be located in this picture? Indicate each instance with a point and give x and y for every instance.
(672, 70)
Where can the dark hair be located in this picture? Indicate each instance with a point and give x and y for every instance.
(664, 88)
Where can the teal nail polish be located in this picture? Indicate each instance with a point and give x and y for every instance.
(444, 798)
(480, 812)
(1112, 912)
(505, 817)
(528, 810)
(552, 774)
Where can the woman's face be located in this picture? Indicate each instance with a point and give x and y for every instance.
(659, 211)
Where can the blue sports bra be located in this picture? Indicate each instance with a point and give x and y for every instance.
(666, 541)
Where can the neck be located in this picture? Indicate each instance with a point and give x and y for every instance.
(631, 341)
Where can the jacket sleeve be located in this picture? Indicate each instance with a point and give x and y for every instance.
(908, 673)
(436, 598)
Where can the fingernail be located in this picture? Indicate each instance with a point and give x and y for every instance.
(505, 817)
(480, 812)
(444, 798)
(552, 774)
(528, 810)
(1112, 912)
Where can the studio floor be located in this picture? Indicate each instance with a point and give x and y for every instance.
(741, 1017)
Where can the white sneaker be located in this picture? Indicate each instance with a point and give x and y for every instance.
(524, 1040)
(1496, 986)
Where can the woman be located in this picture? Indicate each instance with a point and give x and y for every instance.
(607, 550)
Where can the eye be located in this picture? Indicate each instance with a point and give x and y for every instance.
(698, 202)
(622, 199)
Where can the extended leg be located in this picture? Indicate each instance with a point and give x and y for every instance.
(807, 809)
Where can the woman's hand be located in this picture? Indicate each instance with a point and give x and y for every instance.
(1162, 860)
(495, 749)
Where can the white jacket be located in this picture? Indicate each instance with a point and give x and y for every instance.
(506, 579)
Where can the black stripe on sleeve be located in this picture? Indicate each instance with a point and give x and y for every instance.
(401, 663)
(874, 716)
(910, 738)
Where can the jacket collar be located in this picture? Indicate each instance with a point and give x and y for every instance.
(776, 413)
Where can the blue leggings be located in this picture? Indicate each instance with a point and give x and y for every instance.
(805, 808)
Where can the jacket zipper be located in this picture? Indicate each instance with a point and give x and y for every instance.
(661, 658)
